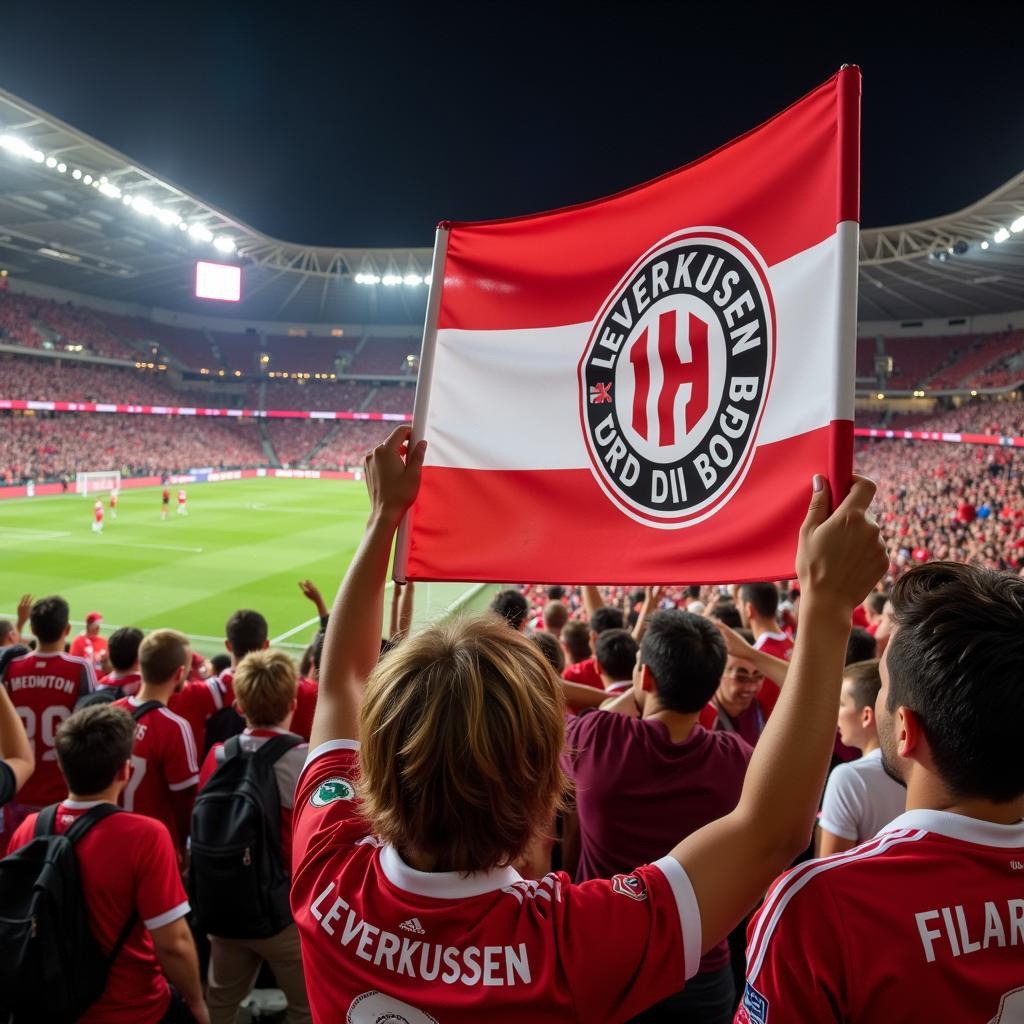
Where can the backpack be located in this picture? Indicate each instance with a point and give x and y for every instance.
(51, 967)
(237, 882)
(221, 726)
(104, 695)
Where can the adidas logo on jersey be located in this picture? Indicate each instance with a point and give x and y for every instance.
(413, 925)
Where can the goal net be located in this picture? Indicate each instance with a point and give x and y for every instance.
(91, 483)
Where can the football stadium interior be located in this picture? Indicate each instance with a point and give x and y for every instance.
(186, 403)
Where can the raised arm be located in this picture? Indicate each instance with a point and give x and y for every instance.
(652, 598)
(768, 665)
(15, 747)
(731, 862)
(352, 641)
(592, 600)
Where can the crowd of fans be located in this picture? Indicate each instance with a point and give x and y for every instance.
(596, 813)
(31, 322)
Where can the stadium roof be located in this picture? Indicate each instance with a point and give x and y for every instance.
(76, 214)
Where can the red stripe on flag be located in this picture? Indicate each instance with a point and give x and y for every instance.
(551, 525)
(784, 186)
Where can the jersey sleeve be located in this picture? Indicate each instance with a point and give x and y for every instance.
(159, 895)
(327, 812)
(841, 810)
(180, 761)
(650, 940)
(795, 956)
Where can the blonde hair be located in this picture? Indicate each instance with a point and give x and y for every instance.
(462, 729)
(264, 683)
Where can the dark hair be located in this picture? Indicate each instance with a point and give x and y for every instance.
(686, 656)
(860, 647)
(956, 659)
(876, 601)
(161, 654)
(606, 617)
(219, 662)
(551, 649)
(306, 660)
(318, 651)
(726, 612)
(555, 593)
(123, 647)
(92, 745)
(692, 592)
(866, 682)
(246, 631)
(49, 618)
(511, 606)
(616, 654)
(576, 637)
(555, 616)
(763, 596)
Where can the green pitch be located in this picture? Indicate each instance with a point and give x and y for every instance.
(244, 544)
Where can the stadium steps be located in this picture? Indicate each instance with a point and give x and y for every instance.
(368, 400)
(268, 445)
(322, 443)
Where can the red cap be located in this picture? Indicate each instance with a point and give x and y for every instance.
(93, 617)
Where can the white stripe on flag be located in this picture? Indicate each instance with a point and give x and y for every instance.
(518, 388)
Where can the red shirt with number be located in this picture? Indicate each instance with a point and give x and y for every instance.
(127, 863)
(197, 701)
(165, 767)
(44, 688)
(381, 940)
(925, 922)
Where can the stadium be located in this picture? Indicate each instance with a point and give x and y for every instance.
(185, 407)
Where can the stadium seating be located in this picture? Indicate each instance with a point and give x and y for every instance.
(349, 443)
(385, 356)
(293, 440)
(306, 355)
(326, 396)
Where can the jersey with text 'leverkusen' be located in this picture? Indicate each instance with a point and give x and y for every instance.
(923, 923)
(44, 688)
(382, 941)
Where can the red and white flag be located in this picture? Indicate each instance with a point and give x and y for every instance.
(639, 389)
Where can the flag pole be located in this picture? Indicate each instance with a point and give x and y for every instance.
(424, 378)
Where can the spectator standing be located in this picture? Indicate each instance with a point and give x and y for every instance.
(89, 644)
(586, 672)
(16, 758)
(643, 782)
(616, 652)
(860, 797)
(128, 869)
(123, 652)
(265, 689)
(164, 762)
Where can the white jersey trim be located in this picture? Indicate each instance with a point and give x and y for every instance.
(443, 885)
(327, 748)
(178, 786)
(187, 738)
(83, 805)
(796, 879)
(77, 659)
(959, 826)
(758, 643)
(168, 916)
(689, 911)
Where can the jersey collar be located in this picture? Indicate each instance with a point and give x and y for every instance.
(443, 885)
(959, 826)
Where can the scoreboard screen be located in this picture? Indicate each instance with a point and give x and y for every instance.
(221, 281)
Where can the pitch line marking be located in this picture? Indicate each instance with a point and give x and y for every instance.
(291, 632)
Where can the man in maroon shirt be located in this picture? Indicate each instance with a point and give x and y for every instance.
(651, 772)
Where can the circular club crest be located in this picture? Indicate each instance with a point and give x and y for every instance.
(675, 375)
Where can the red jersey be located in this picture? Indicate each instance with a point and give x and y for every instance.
(97, 511)
(777, 644)
(381, 940)
(165, 767)
(165, 497)
(91, 647)
(197, 701)
(181, 497)
(925, 922)
(585, 673)
(286, 770)
(127, 864)
(113, 499)
(305, 705)
(128, 681)
(44, 689)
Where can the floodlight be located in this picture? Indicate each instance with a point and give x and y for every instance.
(51, 161)
(1017, 225)
(76, 174)
(200, 233)
(1001, 235)
(142, 205)
(412, 280)
(62, 168)
(87, 179)
(390, 280)
(984, 245)
(110, 191)
(224, 243)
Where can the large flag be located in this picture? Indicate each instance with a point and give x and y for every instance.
(639, 389)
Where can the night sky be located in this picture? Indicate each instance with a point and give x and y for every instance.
(367, 124)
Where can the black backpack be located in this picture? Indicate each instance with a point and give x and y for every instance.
(51, 966)
(237, 883)
(104, 695)
(221, 726)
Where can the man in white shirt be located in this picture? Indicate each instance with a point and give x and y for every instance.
(860, 798)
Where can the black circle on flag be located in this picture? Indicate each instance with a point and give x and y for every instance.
(675, 376)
